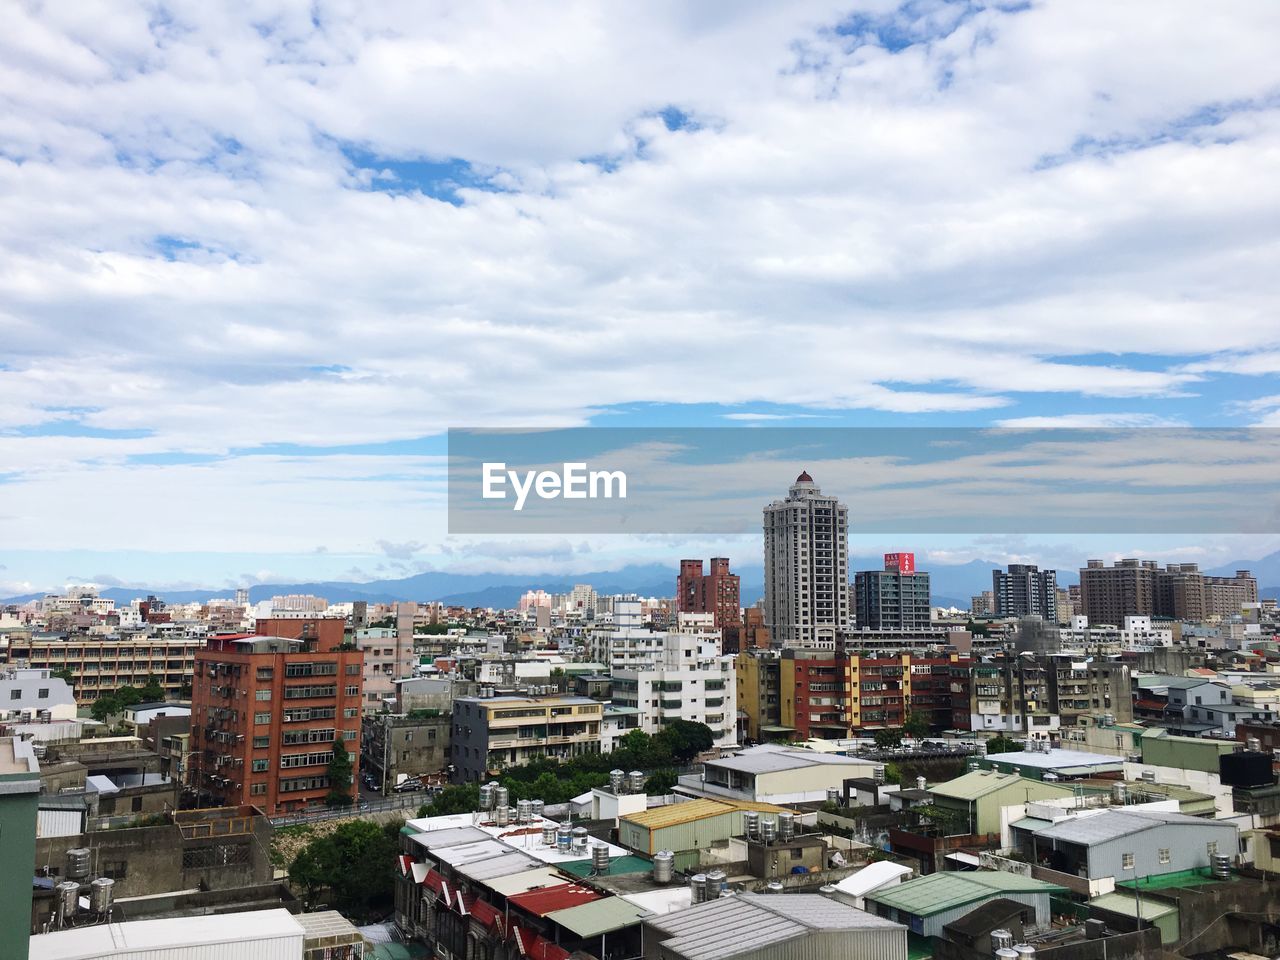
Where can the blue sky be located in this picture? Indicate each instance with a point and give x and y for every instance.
(254, 263)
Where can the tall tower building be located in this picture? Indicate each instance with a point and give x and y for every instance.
(716, 592)
(806, 567)
(1026, 591)
(895, 598)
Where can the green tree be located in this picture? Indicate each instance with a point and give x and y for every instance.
(107, 705)
(1003, 744)
(686, 738)
(660, 782)
(129, 696)
(152, 692)
(184, 690)
(916, 725)
(64, 674)
(888, 738)
(339, 776)
(354, 863)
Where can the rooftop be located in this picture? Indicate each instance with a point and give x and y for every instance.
(979, 783)
(674, 814)
(770, 758)
(1056, 759)
(598, 916)
(1113, 824)
(139, 937)
(926, 896)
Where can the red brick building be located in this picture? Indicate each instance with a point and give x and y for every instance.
(266, 710)
(716, 592)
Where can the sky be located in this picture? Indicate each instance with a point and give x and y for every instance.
(256, 259)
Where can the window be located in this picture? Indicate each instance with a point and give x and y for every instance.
(115, 869)
(15, 694)
(1164, 854)
(348, 734)
(265, 673)
(350, 713)
(262, 718)
(261, 766)
(353, 691)
(353, 669)
(262, 694)
(1211, 848)
(257, 789)
(1126, 861)
(43, 693)
(261, 743)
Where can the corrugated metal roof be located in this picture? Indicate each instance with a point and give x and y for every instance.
(499, 866)
(1055, 759)
(617, 866)
(449, 837)
(674, 814)
(1127, 906)
(1113, 824)
(872, 877)
(926, 896)
(975, 784)
(541, 902)
(1031, 823)
(599, 916)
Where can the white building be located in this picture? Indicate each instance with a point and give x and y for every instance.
(670, 676)
(27, 693)
(806, 567)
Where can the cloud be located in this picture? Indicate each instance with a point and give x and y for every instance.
(401, 551)
(230, 231)
(1091, 420)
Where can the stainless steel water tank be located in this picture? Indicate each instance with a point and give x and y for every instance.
(600, 857)
(717, 883)
(502, 815)
(1025, 951)
(486, 796)
(833, 795)
(524, 811)
(549, 834)
(100, 894)
(921, 783)
(1001, 939)
(68, 895)
(698, 888)
(664, 866)
(768, 829)
(773, 887)
(78, 863)
(751, 824)
(501, 796)
(564, 838)
(786, 826)
(1119, 794)
(617, 780)
(537, 806)
(580, 839)
(636, 780)
(1221, 866)
(877, 773)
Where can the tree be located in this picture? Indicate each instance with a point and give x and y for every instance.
(460, 798)
(660, 782)
(888, 738)
(107, 705)
(687, 738)
(1003, 744)
(339, 777)
(64, 674)
(152, 692)
(129, 696)
(354, 862)
(916, 725)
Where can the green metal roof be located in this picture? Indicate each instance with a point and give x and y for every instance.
(1031, 823)
(932, 894)
(599, 916)
(979, 783)
(617, 866)
(1126, 905)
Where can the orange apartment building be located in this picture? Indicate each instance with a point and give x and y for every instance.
(266, 710)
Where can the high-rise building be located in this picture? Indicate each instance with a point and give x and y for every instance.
(266, 711)
(716, 592)
(1178, 591)
(1025, 591)
(806, 567)
(982, 603)
(895, 598)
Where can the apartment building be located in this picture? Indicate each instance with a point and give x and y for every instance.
(1012, 695)
(1085, 687)
(490, 733)
(388, 657)
(1024, 590)
(806, 567)
(1178, 591)
(895, 598)
(35, 694)
(266, 711)
(813, 685)
(104, 664)
(715, 592)
(759, 682)
(685, 678)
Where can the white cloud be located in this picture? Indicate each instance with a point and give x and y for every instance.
(941, 230)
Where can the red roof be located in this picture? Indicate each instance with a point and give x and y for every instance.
(1144, 704)
(435, 882)
(804, 477)
(404, 864)
(541, 949)
(549, 899)
(487, 914)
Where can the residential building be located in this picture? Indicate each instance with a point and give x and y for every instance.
(266, 712)
(1228, 596)
(927, 904)
(1177, 703)
(1178, 591)
(774, 773)
(490, 733)
(813, 687)
(782, 928)
(19, 791)
(754, 634)
(983, 604)
(395, 746)
(759, 683)
(617, 723)
(1083, 687)
(1024, 590)
(35, 694)
(388, 657)
(105, 664)
(977, 797)
(686, 828)
(1012, 695)
(1043, 762)
(895, 598)
(806, 567)
(1132, 844)
(715, 592)
(682, 677)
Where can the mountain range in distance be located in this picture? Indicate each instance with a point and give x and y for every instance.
(951, 584)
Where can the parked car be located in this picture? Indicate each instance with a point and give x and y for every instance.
(408, 786)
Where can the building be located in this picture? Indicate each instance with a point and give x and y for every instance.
(794, 927)
(812, 685)
(1012, 695)
(983, 604)
(388, 657)
(396, 746)
(977, 797)
(19, 791)
(1054, 763)
(681, 677)
(773, 773)
(35, 694)
(1024, 590)
(927, 904)
(716, 592)
(101, 665)
(1137, 844)
(895, 598)
(490, 733)
(1178, 591)
(758, 675)
(266, 713)
(686, 827)
(806, 567)
(1081, 687)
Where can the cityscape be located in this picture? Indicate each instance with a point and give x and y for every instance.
(1087, 767)
(565, 480)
